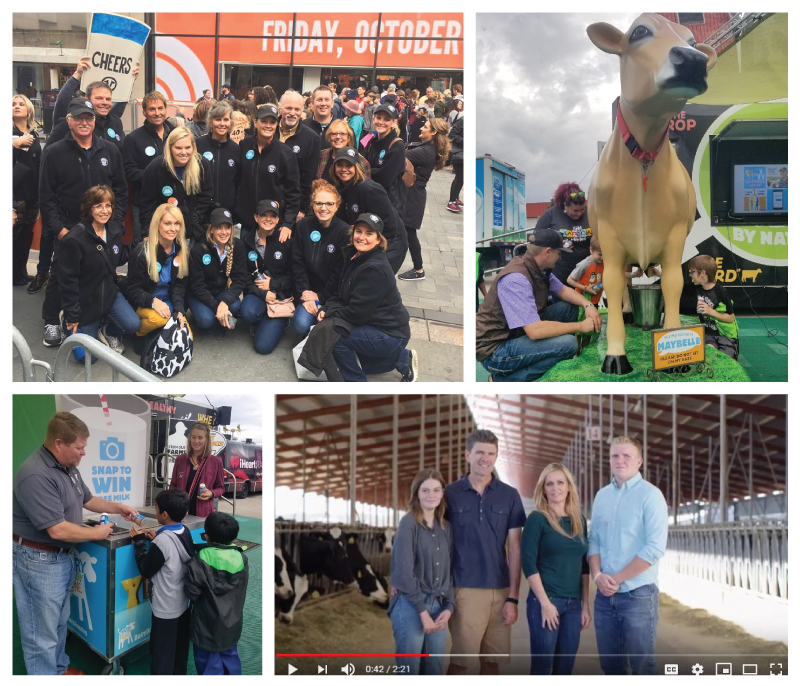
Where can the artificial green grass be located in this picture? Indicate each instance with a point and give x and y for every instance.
(586, 367)
(764, 356)
(250, 645)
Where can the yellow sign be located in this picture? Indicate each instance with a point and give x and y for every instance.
(677, 347)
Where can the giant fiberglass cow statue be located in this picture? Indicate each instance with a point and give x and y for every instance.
(641, 200)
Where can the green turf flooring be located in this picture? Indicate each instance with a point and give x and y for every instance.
(762, 357)
(250, 645)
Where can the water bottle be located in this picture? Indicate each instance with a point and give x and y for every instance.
(700, 302)
(104, 516)
(203, 488)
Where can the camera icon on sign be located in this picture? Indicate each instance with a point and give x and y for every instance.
(112, 450)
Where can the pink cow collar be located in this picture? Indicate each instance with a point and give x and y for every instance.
(638, 153)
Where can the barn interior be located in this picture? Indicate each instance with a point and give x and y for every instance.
(720, 462)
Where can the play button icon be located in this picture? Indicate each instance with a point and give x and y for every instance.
(292, 669)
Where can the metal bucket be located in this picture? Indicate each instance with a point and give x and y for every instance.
(647, 303)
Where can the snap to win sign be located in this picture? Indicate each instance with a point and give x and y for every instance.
(115, 45)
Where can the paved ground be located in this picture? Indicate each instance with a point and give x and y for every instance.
(249, 507)
(435, 305)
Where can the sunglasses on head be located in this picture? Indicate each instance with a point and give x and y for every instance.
(579, 194)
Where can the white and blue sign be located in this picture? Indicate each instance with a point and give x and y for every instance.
(681, 340)
(315, 236)
(114, 45)
(87, 597)
(497, 200)
(206, 259)
(132, 613)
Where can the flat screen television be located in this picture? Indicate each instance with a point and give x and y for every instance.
(760, 189)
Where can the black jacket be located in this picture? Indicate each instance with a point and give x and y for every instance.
(65, 96)
(87, 272)
(67, 173)
(306, 146)
(31, 158)
(108, 128)
(276, 263)
(139, 149)
(423, 157)
(368, 295)
(388, 161)
(217, 596)
(318, 263)
(457, 137)
(371, 197)
(415, 128)
(159, 185)
(318, 129)
(207, 276)
(271, 174)
(139, 288)
(226, 169)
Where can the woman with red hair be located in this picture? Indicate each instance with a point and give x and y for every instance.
(568, 216)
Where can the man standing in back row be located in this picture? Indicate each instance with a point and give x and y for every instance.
(627, 538)
(485, 514)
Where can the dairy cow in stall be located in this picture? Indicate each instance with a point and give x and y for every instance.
(290, 585)
(371, 584)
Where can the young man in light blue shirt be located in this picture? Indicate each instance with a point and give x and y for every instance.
(628, 537)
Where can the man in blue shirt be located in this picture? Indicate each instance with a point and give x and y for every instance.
(484, 514)
(627, 538)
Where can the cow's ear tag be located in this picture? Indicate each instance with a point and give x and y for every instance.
(351, 540)
(315, 594)
(319, 538)
(359, 575)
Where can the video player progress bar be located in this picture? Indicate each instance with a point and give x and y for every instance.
(392, 655)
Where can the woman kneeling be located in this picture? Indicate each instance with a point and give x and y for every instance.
(368, 300)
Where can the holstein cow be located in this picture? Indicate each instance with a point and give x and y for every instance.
(370, 583)
(290, 585)
(386, 539)
(641, 200)
(321, 553)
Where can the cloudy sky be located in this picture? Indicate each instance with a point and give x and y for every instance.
(247, 411)
(544, 95)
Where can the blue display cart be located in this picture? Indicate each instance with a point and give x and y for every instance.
(110, 601)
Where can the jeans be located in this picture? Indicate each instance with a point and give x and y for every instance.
(46, 246)
(206, 317)
(42, 583)
(625, 624)
(410, 638)
(553, 652)
(225, 662)
(302, 320)
(122, 319)
(523, 359)
(378, 353)
(270, 330)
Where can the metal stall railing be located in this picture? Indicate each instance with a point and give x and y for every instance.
(231, 502)
(749, 555)
(161, 477)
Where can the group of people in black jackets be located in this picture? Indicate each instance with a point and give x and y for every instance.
(309, 247)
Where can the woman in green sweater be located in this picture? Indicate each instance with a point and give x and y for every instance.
(554, 545)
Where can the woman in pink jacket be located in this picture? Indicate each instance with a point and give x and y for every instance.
(198, 466)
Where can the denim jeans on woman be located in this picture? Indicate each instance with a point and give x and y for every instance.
(410, 638)
(378, 353)
(625, 624)
(553, 652)
(204, 316)
(121, 318)
(269, 330)
(302, 320)
(42, 583)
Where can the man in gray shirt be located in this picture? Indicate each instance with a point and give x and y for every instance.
(49, 496)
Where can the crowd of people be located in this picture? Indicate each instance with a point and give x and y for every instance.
(317, 186)
(460, 553)
(197, 591)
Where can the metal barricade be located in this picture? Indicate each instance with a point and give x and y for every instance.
(232, 502)
(749, 555)
(156, 478)
(93, 347)
(27, 359)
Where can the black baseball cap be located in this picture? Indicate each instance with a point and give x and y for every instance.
(267, 111)
(79, 106)
(226, 85)
(220, 216)
(371, 220)
(265, 206)
(391, 110)
(348, 153)
(548, 238)
(352, 93)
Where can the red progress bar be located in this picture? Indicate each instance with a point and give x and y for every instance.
(352, 655)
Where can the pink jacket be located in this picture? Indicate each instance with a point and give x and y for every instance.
(209, 472)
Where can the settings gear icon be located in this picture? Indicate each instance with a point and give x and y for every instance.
(697, 669)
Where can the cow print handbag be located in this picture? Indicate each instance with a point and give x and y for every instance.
(167, 351)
